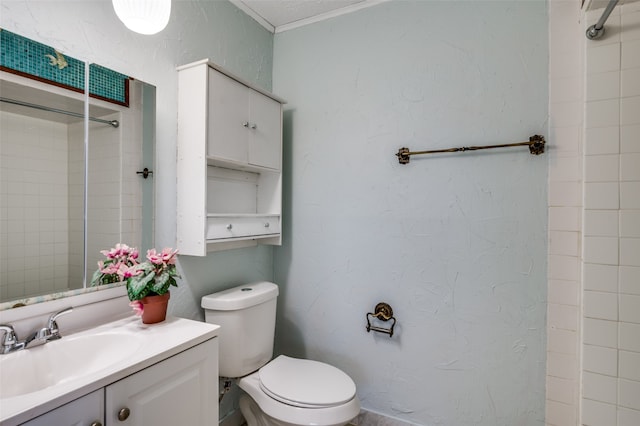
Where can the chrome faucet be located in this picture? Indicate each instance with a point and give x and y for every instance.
(51, 331)
(10, 342)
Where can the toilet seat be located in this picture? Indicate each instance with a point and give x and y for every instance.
(305, 383)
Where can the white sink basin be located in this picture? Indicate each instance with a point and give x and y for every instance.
(41, 378)
(62, 360)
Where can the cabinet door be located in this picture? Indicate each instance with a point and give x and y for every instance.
(265, 145)
(181, 390)
(228, 118)
(85, 411)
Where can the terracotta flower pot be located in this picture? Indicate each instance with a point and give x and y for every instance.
(155, 308)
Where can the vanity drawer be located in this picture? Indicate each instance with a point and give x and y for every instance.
(227, 226)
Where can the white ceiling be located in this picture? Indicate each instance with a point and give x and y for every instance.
(280, 15)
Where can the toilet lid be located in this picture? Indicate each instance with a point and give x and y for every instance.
(306, 383)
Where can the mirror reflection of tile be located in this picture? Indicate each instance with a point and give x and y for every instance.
(28, 58)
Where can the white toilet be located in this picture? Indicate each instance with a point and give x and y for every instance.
(283, 391)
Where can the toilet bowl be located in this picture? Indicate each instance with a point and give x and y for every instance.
(285, 391)
(291, 391)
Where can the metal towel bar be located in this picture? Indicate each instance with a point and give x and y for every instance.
(535, 143)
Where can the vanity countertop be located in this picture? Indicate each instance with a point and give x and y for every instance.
(151, 344)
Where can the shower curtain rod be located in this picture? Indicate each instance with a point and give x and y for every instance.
(113, 123)
(536, 147)
(596, 31)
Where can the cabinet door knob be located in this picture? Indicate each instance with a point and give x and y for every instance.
(229, 227)
(123, 414)
(245, 124)
(266, 225)
(96, 423)
(254, 126)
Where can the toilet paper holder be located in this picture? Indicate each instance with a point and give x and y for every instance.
(382, 312)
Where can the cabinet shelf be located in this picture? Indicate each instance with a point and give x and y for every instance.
(229, 162)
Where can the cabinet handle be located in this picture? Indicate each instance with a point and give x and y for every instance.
(266, 225)
(96, 423)
(245, 124)
(229, 227)
(123, 414)
(254, 126)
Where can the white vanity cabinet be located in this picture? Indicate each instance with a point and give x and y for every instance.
(181, 390)
(178, 391)
(85, 411)
(229, 167)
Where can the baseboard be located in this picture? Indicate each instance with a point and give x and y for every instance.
(233, 419)
(371, 418)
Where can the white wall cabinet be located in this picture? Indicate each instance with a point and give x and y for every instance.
(229, 169)
(181, 390)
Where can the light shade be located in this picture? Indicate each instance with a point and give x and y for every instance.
(143, 16)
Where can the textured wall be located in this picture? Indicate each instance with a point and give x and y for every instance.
(455, 243)
(90, 30)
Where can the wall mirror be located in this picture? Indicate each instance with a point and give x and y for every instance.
(72, 171)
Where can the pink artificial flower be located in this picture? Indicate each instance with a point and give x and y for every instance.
(166, 256)
(137, 306)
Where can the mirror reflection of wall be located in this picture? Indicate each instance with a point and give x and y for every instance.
(42, 181)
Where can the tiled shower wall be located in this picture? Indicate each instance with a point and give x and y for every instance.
(611, 227)
(35, 206)
(593, 372)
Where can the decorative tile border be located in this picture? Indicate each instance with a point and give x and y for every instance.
(28, 58)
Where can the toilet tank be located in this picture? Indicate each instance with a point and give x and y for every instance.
(247, 318)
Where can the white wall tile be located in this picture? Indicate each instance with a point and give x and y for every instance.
(558, 413)
(568, 89)
(631, 26)
(601, 223)
(562, 341)
(565, 243)
(629, 279)
(629, 195)
(629, 394)
(602, 140)
(602, 168)
(630, 56)
(629, 365)
(628, 417)
(595, 413)
(600, 305)
(561, 390)
(565, 194)
(600, 359)
(562, 317)
(630, 166)
(604, 85)
(600, 332)
(565, 169)
(565, 218)
(604, 113)
(629, 335)
(564, 292)
(563, 267)
(561, 365)
(630, 251)
(599, 387)
(630, 138)
(629, 82)
(600, 277)
(603, 58)
(602, 196)
(629, 306)
(629, 111)
(566, 140)
(603, 250)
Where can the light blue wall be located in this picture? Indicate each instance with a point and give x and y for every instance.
(215, 29)
(455, 243)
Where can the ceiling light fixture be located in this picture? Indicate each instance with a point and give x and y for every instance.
(143, 16)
